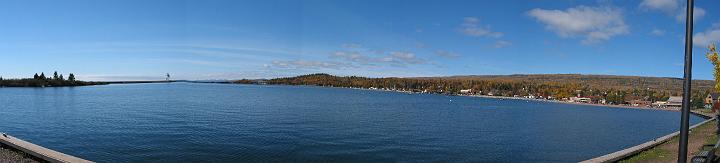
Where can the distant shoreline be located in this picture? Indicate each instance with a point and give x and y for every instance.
(492, 97)
(479, 96)
(703, 115)
(89, 83)
(575, 103)
(527, 99)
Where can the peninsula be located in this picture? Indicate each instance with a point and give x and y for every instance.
(57, 80)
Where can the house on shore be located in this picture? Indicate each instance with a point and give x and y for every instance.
(641, 103)
(711, 99)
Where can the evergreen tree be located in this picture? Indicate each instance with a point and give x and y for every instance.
(71, 77)
(61, 78)
(55, 76)
(42, 76)
(36, 76)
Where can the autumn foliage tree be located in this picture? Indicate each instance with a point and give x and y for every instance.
(712, 55)
(614, 89)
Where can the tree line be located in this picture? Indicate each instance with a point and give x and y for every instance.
(614, 91)
(56, 80)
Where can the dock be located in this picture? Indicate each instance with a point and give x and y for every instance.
(39, 151)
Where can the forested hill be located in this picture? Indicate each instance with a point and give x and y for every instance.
(610, 87)
(598, 81)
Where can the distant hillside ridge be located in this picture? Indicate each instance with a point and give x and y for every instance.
(607, 88)
(600, 81)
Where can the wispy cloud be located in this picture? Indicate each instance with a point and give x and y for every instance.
(308, 64)
(672, 8)
(446, 54)
(197, 62)
(471, 27)
(595, 24)
(351, 45)
(698, 13)
(667, 6)
(501, 44)
(406, 57)
(207, 49)
(234, 48)
(356, 57)
(657, 32)
(396, 58)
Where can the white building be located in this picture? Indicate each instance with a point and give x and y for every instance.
(580, 99)
(674, 102)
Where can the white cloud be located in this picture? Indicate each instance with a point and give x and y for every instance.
(446, 54)
(657, 32)
(668, 6)
(305, 64)
(673, 8)
(471, 27)
(406, 57)
(352, 57)
(355, 57)
(595, 24)
(501, 44)
(395, 58)
(711, 35)
(698, 13)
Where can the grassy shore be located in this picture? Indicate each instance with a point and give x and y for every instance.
(667, 152)
(12, 156)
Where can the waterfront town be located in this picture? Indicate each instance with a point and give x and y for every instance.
(624, 91)
(360, 81)
(672, 103)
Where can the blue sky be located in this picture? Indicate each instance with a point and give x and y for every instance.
(214, 39)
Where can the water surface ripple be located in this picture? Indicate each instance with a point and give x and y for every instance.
(183, 122)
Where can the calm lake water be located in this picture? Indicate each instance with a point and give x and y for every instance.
(183, 122)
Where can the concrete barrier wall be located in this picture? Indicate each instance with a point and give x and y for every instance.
(39, 151)
(616, 156)
(703, 115)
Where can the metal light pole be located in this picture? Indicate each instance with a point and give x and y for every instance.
(685, 116)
